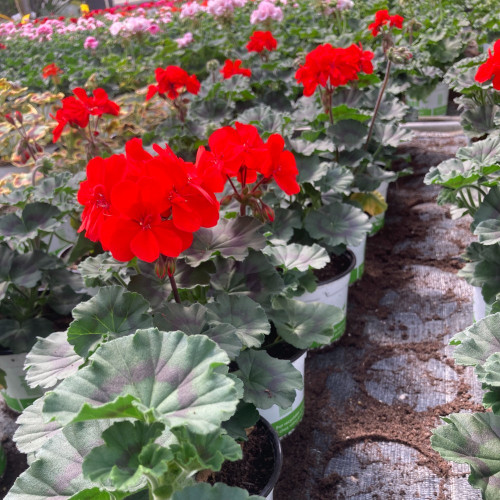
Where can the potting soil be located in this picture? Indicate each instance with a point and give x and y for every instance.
(373, 398)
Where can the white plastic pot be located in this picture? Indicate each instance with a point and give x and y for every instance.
(435, 104)
(18, 395)
(378, 221)
(479, 305)
(359, 252)
(334, 292)
(285, 421)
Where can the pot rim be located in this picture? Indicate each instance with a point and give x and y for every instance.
(278, 458)
(352, 265)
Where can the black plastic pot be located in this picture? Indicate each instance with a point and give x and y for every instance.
(278, 458)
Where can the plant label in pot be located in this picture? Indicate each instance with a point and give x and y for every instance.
(359, 252)
(334, 291)
(16, 392)
(436, 103)
(285, 421)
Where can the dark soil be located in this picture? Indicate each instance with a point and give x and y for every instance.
(254, 471)
(328, 429)
(338, 264)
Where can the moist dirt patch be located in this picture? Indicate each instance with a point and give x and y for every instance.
(373, 397)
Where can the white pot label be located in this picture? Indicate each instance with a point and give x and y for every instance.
(285, 421)
(359, 252)
(479, 306)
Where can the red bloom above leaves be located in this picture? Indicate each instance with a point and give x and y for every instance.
(172, 81)
(142, 205)
(261, 40)
(76, 111)
(51, 70)
(490, 70)
(382, 18)
(332, 67)
(232, 68)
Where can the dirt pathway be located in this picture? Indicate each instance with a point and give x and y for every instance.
(372, 399)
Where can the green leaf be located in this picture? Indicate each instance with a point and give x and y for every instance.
(119, 462)
(489, 372)
(255, 277)
(488, 232)
(282, 227)
(21, 337)
(485, 154)
(226, 337)
(99, 270)
(112, 313)
(171, 375)
(34, 217)
(268, 381)
(94, 494)
(372, 203)
(311, 168)
(33, 432)
(57, 471)
(489, 208)
(300, 257)
(337, 181)
(191, 319)
(478, 342)
(348, 135)
(452, 173)
(230, 238)
(390, 134)
(52, 359)
(245, 417)
(473, 439)
(204, 451)
(344, 112)
(337, 223)
(246, 316)
(302, 324)
(218, 491)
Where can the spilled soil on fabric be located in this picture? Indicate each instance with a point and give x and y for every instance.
(360, 417)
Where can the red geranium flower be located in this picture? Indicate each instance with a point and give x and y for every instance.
(2, 46)
(232, 68)
(171, 81)
(283, 167)
(331, 67)
(261, 40)
(77, 110)
(490, 69)
(143, 205)
(51, 70)
(382, 17)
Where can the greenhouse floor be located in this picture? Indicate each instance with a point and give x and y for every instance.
(373, 398)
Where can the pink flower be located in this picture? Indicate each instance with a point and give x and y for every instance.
(185, 40)
(91, 43)
(153, 29)
(266, 10)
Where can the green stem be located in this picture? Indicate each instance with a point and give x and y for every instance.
(379, 100)
(175, 290)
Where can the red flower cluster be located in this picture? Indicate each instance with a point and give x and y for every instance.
(2, 46)
(51, 70)
(382, 17)
(331, 67)
(172, 81)
(241, 153)
(141, 205)
(232, 68)
(261, 40)
(76, 111)
(490, 69)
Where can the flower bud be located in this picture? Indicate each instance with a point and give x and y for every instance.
(9, 119)
(268, 212)
(414, 25)
(212, 65)
(399, 55)
(19, 117)
(161, 266)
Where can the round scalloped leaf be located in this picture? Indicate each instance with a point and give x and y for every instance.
(113, 312)
(255, 277)
(33, 431)
(452, 173)
(337, 181)
(489, 372)
(268, 381)
(51, 359)
(20, 337)
(488, 232)
(99, 270)
(489, 208)
(300, 257)
(57, 471)
(337, 224)
(473, 439)
(246, 316)
(230, 238)
(373, 203)
(485, 154)
(478, 342)
(301, 324)
(171, 375)
(34, 217)
(218, 491)
(390, 134)
(281, 229)
(190, 319)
